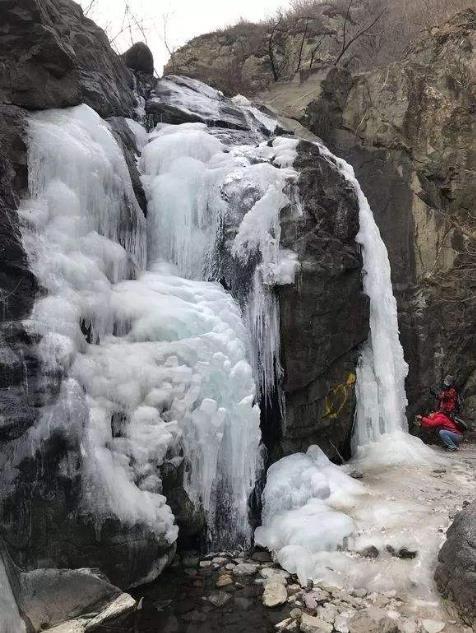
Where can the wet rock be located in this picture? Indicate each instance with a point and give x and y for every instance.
(432, 626)
(356, 474)
(311, 624)
(224, 581)
(122, 604)
(274, 594)
(245, 569)
(369, 552)
(262, 556)
(293, 589)
(219, 598)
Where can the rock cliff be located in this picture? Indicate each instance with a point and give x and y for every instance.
(408, 130)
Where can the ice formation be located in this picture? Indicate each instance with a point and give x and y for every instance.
(190, 176)
(154, 352)
(301, 510)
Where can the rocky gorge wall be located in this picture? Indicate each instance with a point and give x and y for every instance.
(408, 131)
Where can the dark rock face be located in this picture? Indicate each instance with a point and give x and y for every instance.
(324, 316)
(408, 131)
(139, 58)
(455, 574)
(53, 57)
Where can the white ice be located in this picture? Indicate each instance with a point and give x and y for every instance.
(155, 354)
(190, 175)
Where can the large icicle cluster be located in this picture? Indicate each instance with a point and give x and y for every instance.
(153, 352)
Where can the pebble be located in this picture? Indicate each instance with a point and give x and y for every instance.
(219, 560)
(283, 624)
(311, 624)
(224, 581)
(219, 598)
(205, 563)
(245, 569)
(315, 597)
(230, 566)
(341, 624)
(274, 594)
(294, 588)
(327, 613)
(432, 626)
(295, 614)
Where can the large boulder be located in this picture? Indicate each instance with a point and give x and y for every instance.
(139, 58)
(324, 316)
(456, 571)
(52, 56)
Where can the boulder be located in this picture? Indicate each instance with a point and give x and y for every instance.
(139, 58)
(52, 56)
(455, 575)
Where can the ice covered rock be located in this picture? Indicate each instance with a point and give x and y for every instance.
(176, 99)
(274, 594)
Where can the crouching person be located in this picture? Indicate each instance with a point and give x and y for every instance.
(448, 429)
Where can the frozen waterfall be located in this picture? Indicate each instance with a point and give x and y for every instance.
(381, 371)
(152, 349)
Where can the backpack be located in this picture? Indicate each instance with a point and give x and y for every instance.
(462, 424)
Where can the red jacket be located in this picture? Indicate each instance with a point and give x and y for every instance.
(448, 400)
(441, 421)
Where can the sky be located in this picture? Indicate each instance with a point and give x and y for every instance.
(184, 19)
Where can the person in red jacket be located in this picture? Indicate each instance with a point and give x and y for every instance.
(448, 430)
(448, 397)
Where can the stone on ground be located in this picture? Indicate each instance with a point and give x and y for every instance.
(274, 594)
(219, 598)
(311, 624)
